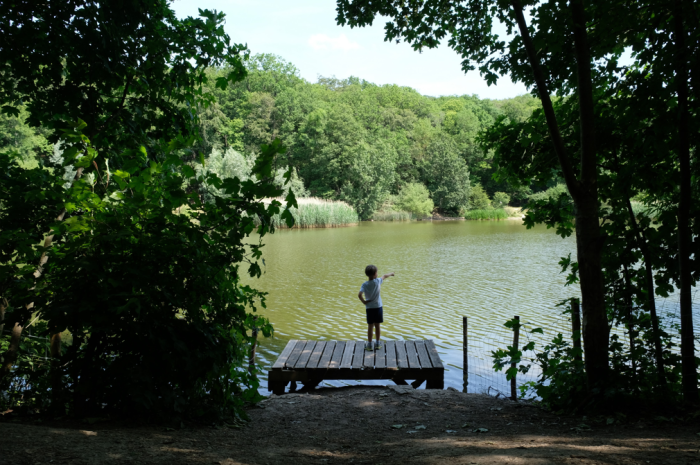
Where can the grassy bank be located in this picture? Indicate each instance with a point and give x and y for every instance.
(319, 213)
(490, 214)
(391, 216)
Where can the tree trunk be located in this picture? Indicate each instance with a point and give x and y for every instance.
(56, 385)
(689, 369)
(10, 355)
(584, 193)
(3, 307)
(630, 323)
(651, 301)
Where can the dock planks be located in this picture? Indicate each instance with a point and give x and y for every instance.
(313, 361)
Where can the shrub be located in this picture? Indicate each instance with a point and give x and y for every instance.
(552, 192)
(478, 198)
(391, 215)
(415, 198)
(500, 199)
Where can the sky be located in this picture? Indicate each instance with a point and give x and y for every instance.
(305, 33)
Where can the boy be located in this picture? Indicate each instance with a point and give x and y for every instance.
(373, 303)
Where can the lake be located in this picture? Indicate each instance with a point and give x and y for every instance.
(488, 271)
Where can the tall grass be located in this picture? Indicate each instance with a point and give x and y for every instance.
(391, 215)
(490, 214)
(319, 213)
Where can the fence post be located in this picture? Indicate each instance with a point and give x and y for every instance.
(251, 359)
(516, 340)
(576, 326)
(465, 353)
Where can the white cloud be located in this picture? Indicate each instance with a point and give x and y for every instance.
(324, 42)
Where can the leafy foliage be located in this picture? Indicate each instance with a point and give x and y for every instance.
(93, 239)
(415, 198)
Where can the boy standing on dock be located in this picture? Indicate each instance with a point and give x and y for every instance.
(373, 303)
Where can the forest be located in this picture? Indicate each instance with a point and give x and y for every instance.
(145, 156)
(346, 139)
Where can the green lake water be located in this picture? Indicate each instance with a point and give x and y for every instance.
(487, 271)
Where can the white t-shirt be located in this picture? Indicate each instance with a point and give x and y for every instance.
(371, 289)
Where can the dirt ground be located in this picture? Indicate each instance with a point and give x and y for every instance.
(373, 425)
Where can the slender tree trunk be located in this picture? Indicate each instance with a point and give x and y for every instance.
(56, 385)
(689, 368)
(651, 300)
(596, 330)
(630, 323)
(3, 307)
(585, 193)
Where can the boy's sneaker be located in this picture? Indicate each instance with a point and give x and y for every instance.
(377, 345)
(368, 346)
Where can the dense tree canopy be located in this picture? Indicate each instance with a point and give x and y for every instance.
(93, 236)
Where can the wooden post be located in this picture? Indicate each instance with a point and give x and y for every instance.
(465, 353)
(251, 359)
(516, 338)
(576, 326)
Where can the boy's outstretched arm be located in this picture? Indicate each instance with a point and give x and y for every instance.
(387, 275)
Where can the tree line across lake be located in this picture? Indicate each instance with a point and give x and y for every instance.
(378, 148)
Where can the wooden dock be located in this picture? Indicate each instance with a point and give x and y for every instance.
(311, 362)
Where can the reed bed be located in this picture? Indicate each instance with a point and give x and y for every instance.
(319, 213)
(490, 214)
(391, 216)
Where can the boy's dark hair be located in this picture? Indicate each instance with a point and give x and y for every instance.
(370, 271)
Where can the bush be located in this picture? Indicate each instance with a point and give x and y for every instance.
(415, 198)
(390, 215)
(501, 199)
(478, 198)
(488, 214)
(552, 192)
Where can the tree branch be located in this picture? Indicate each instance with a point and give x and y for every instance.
(566, 166)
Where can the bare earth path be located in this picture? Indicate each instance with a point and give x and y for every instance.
(361, 425)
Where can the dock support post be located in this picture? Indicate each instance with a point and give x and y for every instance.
(576, 327)
(465, 354)
(516, 337)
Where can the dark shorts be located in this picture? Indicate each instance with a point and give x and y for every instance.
(375, 315)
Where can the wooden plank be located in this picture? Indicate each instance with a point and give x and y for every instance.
(327, 355)
(279, 364)
(337, 355)
(423, 355)
(305, 355)
(401, 358)
(391, 354)
(433, 354)
(316, 355)
(358, 357)
(369, 358)
(350, 374)
(294, 356)
(346, 361)
(380, 357)
(412, 355)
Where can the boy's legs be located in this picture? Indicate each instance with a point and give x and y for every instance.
(369, 333)
(378, 331)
